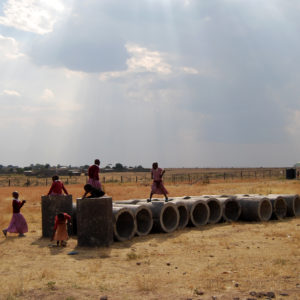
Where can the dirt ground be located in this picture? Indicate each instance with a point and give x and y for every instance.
(224, 261)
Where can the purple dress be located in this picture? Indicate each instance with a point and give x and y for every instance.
(157, 185)
(18, 223)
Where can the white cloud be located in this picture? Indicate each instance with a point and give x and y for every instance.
(38, 16)
(9, 48)
(144, 60)
(47, 94)
(11, 93)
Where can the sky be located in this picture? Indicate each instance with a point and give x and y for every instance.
(187, 83)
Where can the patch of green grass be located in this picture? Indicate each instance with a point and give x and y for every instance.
(51, 285)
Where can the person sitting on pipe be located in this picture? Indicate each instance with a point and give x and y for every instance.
(94, 192)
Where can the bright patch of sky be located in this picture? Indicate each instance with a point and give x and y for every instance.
(185, 83)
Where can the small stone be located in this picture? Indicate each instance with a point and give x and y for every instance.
(199, 293)
(270, 294)
(298, 285)
(176, 267)
(214, 298)
(103, 298)
(236, 298)
(138, 263)
(236, 284)
(211, 256)
(183, 273)
(251, 298)
(252, 294)
(284, 294)
(168, 264)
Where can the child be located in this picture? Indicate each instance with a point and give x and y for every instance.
(157, 185)
(93, 173)
(18, 223)
(60, 228)
(94, 192)
(57, 187)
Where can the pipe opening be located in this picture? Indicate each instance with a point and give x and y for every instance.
(144, 221)
(265, 210)
(215, 211)
(169, 219)
(231, 210)
(297, 206)
(183, 216)
(280, 208)
(125, 225)
(200, 214)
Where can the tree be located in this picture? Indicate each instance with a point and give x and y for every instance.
(118, 167)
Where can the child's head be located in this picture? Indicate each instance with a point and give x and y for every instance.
(155, 165)
(15, 194)
(88, 188)
(55, 177)
(97, 162)
(60, 216)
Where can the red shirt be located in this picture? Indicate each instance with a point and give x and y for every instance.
(93, 172)
(57, 187)
(17, 204)
(67, 217)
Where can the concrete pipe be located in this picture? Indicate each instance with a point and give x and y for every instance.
(94, 222)
(199, 212)
(231, 208)
(255, 208)
(292, 202)
(279, 207)
(183, 210)
(143, 217)
(215, 210)
(74, 219)
(124, 223)
(51, 205)
(132, 201)
(165, 216)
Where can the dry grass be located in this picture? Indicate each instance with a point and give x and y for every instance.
(224, 260)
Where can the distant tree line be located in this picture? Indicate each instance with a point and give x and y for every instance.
(48, 170)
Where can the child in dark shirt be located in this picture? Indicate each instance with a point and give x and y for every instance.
(94, 192)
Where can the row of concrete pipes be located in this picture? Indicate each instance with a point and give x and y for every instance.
(122, 220)
(140, 218)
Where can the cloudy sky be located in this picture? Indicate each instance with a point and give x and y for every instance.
(187, 83)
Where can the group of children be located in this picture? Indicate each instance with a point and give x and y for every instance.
(93, 189)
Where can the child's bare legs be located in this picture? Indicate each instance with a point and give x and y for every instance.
(149, 200)
(166, 197)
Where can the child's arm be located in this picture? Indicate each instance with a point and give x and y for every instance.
(84, 195)
(63, 187)
(51, 188)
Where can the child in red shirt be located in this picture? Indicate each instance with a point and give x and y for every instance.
(157, 185)
(57, 187)
(18, 223)
(60, 233)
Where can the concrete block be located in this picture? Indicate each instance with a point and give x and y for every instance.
(95, 222)
(51, 205)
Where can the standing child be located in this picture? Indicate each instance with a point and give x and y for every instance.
(157, 185)
(60, 233)
(93, 173)
(18, 223)
(57, 187)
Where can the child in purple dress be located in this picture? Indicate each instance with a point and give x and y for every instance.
(157, 185)
(18, 223)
